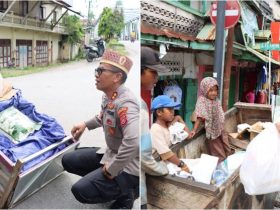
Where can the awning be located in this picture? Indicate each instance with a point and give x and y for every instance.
(146, 29)
(66, 7)
(262, 56)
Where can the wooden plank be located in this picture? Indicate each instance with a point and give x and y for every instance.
(238, 143)
(192, 185)
(242, 105)
(4, 201)
(240, 117)
(4, 176)
(6, 162)
(169, 196)
(231, 112)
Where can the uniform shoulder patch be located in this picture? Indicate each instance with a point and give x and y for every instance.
(122, 115)
(122, 110)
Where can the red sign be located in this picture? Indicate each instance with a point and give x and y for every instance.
(275, 38)
(232, 13)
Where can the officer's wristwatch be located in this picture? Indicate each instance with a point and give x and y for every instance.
(181, 164)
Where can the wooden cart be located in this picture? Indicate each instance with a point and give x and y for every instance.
(172, 192)
(16, 185)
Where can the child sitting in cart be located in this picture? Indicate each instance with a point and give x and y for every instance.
(208, 110)
(163, 107)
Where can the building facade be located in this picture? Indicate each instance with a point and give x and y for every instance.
(31, 32)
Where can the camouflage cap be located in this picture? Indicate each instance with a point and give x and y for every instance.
(116, 59)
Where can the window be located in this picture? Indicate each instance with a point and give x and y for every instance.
(54, 17)
(27, 57)
(42, 12)
(42, 55)
(24, 8)
(3, 6)
(5, 52)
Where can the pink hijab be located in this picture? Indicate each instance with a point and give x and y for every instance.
(210, 110)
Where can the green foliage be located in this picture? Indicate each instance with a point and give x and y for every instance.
(81, 54)
(74, 29)
(111, 23)
(116, 46)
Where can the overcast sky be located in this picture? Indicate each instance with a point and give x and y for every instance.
(98, 5)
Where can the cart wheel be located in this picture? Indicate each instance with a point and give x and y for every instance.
(240, 200)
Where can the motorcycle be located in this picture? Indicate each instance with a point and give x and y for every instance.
(95, 51)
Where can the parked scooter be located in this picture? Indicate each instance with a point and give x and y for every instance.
(95, 51)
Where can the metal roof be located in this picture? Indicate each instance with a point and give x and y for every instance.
(208, 32)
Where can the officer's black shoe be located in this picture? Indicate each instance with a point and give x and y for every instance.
(124, 202)
(144, 206)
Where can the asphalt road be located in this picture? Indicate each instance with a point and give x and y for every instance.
(68, 94)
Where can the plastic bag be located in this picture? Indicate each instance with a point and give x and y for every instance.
(174, 92)
(177, 132)
(16, 125)
(260, 169)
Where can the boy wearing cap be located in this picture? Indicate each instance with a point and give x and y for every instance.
(163, 107)
(114, 175)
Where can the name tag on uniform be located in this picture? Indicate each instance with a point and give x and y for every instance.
(111, 112)
(110, 120)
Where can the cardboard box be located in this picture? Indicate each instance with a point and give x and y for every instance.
(253, 134)
(255, 130)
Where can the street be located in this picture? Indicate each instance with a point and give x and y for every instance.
(68, 93)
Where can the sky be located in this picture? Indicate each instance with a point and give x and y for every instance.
(98, 5)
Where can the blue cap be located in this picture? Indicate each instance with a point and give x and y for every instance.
(164, 101)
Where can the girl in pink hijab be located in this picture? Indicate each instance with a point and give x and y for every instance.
(209, 111)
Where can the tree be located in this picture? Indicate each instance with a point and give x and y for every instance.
(74, 28)
(75, 31)
(111, 23)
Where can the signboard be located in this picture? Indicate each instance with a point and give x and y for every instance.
(232, 13)
(275, 39)
(267, 46)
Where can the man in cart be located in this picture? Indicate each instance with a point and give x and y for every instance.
(114, 175)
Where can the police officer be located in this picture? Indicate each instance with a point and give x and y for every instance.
(114, 175)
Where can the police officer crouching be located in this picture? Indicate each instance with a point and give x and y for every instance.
(114, 175)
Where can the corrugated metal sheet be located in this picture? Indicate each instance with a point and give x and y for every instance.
(146, 29)
(262, 34)
(208, 32)
(262, 56)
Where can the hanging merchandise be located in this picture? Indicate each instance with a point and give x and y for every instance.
(264, 74)
(173, 91)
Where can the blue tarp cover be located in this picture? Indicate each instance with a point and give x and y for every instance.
(49, 133)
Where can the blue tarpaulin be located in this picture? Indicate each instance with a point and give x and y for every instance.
(49, 133)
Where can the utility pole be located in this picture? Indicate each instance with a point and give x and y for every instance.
(89, 11)
(227, 72)
(220, 46)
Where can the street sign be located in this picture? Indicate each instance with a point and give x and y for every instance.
(269, 46)
(232, 13)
